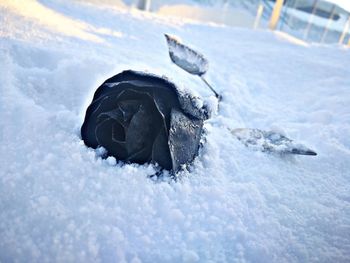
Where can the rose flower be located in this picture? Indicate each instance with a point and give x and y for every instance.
(140, 118)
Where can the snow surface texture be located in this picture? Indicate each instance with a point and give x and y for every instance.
(60, 202)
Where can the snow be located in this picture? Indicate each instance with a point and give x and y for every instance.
(61, 202)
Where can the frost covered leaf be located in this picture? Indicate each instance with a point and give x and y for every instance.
(141, 118)
(269, 141)
(186, 58)
(189, 60)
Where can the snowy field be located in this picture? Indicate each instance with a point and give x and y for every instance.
(60, 202)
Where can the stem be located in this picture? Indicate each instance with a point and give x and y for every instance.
(211, 88)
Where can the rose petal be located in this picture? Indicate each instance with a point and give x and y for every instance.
(116, 114)
(107, 88)
(184, 137)
(140, 132)
(129, 108)
(104, 136)
(164, 102)
(143, 127)
(118, 133)
(104, 104)
(141, 156)
(160, 150)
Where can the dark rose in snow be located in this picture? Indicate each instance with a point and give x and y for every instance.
(139, 117)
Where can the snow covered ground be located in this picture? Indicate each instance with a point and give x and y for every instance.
(60, 202)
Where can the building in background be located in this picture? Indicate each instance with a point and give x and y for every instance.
(321, 21)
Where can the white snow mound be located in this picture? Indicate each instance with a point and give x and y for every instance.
(61, 202)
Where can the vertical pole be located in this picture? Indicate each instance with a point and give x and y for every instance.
(224, 15)
(147, 5)
(276, 13)
(346, 28)
(284, 15)
(291, 18)
(330, 20)
(144, 5)
(306, 33)
(258, 15)
(294, 5)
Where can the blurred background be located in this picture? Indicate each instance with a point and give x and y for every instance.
(317, 21)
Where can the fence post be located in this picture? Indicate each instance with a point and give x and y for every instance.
(329, 22)
(144, 5)
(346, 28)
(258, 16)
(276, 14)
(314, 6)
(291, 19)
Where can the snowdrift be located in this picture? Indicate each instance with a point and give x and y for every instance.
(60, 201)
